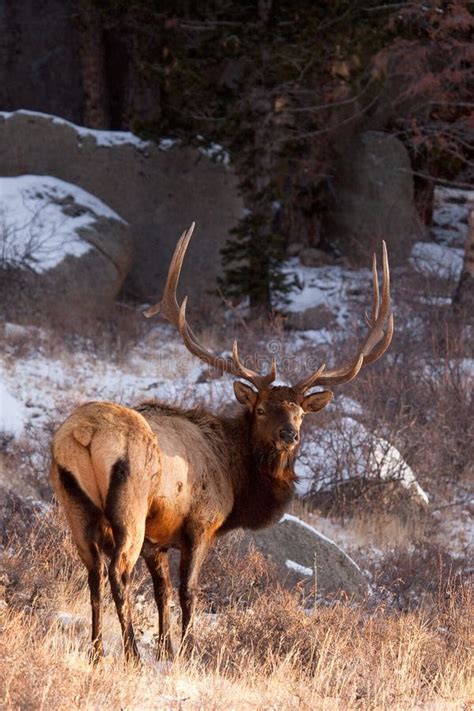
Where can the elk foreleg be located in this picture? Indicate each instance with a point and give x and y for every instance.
(193, 552)
(157, 564)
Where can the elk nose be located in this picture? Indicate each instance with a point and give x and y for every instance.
(288, 435)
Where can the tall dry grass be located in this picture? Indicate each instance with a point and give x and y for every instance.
(262, 650)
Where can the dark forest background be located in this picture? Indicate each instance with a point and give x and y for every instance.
(284, 87)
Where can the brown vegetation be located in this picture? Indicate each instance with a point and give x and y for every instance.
(263, 650)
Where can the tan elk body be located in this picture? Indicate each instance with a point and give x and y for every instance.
(138, 482)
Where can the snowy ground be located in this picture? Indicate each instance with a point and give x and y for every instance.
(335, 287)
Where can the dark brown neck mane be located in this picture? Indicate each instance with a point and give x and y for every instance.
(263, 478)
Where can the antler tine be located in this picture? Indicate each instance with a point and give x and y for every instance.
(169, 308)
(308, 383)
(376, 342)
(245, 372)
(263, 381)
(260, 381)
(383, 345)
(376, 298)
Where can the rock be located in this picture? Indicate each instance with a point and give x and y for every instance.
(316, 317)
(295, 547)
(374, 199)
(64, 252)
(294, 249)
(312, 257)
(158, 189)
(451, 211)
(344, 468)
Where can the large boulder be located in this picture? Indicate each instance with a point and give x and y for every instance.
(345, 468)
(64, 252)
(298, 550)
(159, 189)
(374, 199)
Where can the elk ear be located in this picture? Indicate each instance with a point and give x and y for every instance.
(317, 401)
(245, 394)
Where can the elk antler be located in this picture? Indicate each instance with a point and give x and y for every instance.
(374, 345)
(169, 308)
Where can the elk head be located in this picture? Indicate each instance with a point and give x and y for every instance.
(277, 412)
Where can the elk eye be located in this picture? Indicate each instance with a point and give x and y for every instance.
(260, 411)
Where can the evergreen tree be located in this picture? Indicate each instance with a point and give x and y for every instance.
(252, 262)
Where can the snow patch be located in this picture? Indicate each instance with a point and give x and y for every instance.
(348, 405)
(12, 413)
(215, 152)
(439, 369)
(165, 144)
(437, 260)
(301, 569)
(40, 219)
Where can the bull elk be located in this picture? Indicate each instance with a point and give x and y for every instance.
(127, 493)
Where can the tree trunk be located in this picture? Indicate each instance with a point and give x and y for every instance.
(96, 108)
(464, 297)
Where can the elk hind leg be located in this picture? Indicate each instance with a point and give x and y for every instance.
(126, 512)
(96, 580)
(85, 520)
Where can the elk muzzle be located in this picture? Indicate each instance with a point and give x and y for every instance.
(289, 435)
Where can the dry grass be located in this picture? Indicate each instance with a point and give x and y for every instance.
(263, 650)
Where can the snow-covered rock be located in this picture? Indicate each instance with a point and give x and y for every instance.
(347, 451)
(331, 287)
(450, 215)
(104, 139)
(444, 256)
(42, 220)
(69, 251)
(159, 188)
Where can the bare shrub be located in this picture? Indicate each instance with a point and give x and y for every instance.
(22, 253)
(40, 556)
(428, 400)
(422, 575)
(233, 577)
